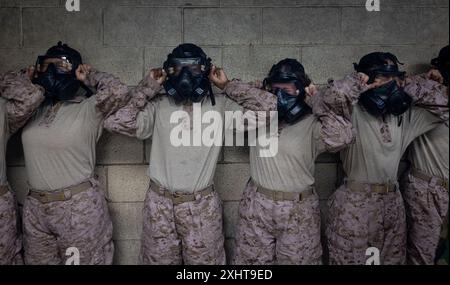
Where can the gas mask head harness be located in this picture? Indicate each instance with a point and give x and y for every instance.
(188, 69)
(442, 63)
(390, 98)
(56, 72)
(291, 108)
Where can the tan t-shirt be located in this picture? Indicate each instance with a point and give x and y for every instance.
(375, 156)
(59, 144)
(184, 168)
(292, 169)
(3, 141)
(429, 153)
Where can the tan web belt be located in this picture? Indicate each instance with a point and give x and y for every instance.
(428, 178)
(59, 195)
(180, 198)
(279, 196)
(375, 188)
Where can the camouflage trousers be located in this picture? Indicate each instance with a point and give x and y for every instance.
(52, 231)
(10, 240)
(359, 220)
(277, 232)
(190, 233)
(426, 209)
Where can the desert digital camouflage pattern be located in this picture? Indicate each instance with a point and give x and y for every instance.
(19, 98)
(361, 218)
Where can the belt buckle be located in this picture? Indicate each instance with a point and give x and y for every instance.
(445, 184)
(67, 194)
(177, 198)
(176, 195)
(301, 197)
(43, 197)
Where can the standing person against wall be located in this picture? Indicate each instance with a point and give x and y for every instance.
(279, 215)
(66, 208)
(426, 189)
(19, 98)
(368, 210)
(182, 211)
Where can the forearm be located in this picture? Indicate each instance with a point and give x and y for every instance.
(111, 93)
(341, 95)
(428, 94)
(23, 98)
(336, 133)
(250, 96)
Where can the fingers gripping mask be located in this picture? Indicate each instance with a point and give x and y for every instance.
(387, 99)
(59, 86)
(291, 108)
(56, 72)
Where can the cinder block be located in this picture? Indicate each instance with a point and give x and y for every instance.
(326, 178)
(177, 3)
(301, 26)
(324, 212)
(127, 252)
(229, 249)
(230, 218)
(127, 220)
(132, 26)
(328, 158)
(254, 62)
(148, 149)
(325, 62)
(80, 30)
(236, 154)
(416, 59)
(433, 26)
(222, 26)
(127, 183)
(14, 59)
(10, 31)
(29, 3)
(119, 149)
(294, 3)
(125, 63)
(231, 179)
(391, 26)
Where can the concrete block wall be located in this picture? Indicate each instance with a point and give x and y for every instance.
(127, 37)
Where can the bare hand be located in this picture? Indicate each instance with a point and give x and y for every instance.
(30, 72)
(364, 79)
(311, 90)
(82, 72)
(159, 75)
(435, 75)
(218, 77)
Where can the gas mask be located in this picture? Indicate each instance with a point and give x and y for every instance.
(56, 73)
(387, 99)
(291, 108)
(58, 84)
(188, 80)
